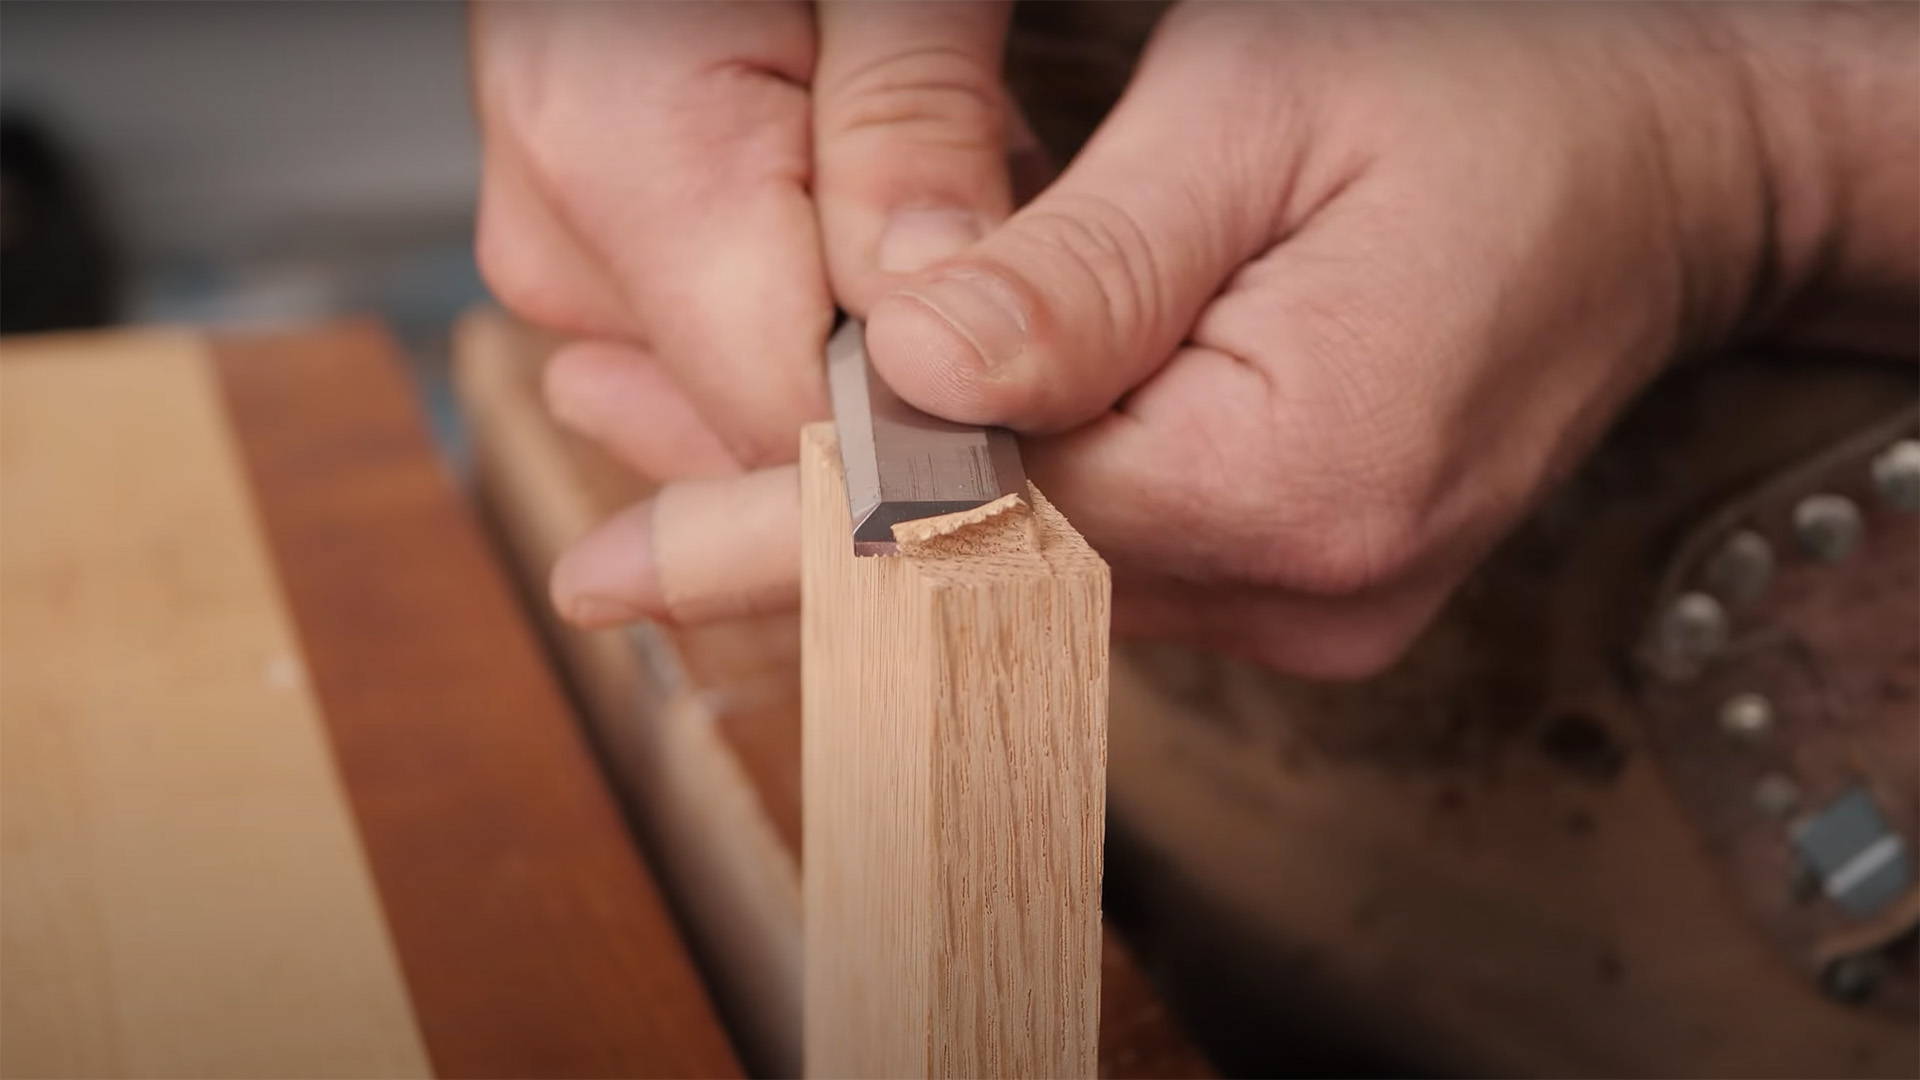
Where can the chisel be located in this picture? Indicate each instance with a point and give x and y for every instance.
(900, 463)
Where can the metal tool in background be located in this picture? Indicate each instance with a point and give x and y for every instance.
(901, 464)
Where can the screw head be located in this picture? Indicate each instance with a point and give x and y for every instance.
(1691, 630)
(1740, 571)
(1747, 716)
(1828, 526)
(1896, 474)
(1776, 795)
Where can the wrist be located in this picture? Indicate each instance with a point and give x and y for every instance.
(1828, 95)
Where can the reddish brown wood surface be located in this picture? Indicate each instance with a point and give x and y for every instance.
(532, 939)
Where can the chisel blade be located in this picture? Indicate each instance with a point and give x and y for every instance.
(901, 464)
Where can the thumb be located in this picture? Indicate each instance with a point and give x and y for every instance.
(1081, 295)
(911, 133)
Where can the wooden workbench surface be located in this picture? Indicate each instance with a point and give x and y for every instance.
(287, 787)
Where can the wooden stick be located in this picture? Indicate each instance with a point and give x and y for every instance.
(955, 778)
(701, 725)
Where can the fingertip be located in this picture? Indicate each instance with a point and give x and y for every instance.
(610, 575)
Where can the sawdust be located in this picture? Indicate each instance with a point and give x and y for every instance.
(1004, 526)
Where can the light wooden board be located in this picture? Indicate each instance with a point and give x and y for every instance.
(182, 894)
(955, 783)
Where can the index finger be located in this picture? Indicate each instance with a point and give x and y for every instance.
(673, 141)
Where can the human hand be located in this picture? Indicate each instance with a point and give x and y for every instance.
(1329, 299)
(680, 184)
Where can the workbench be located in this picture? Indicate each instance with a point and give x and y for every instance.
(288, 787)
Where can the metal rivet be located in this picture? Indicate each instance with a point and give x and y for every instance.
(1746, 716)
(1740, 571)
(1896, 473)
(1776, 795)
(1691, 631)
(1853, 979)
(1828, 526)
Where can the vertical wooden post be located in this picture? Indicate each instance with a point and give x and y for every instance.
(955, 784)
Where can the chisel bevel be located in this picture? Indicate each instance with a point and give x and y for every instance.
(902, 464)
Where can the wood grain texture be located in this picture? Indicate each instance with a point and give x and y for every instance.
(954, 779)
(702, 725)
(182, 892)
(532, 938)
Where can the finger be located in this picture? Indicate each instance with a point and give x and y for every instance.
(1087, 290)
(910, 137)
(674, 139)
(619, 397)
(532, 262)
(699, 550)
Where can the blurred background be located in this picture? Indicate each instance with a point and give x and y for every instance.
(239, 164)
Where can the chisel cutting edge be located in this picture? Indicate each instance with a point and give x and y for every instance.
(901, 464)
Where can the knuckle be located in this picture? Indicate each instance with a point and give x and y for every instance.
(516, 277)
(694, 145)
(743, 120)
(937, 96)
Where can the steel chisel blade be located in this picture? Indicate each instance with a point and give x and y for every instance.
(901, 464)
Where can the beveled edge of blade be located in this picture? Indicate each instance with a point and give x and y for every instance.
(853, 420)
(1009, 472)
(873, 534)
(872, 517)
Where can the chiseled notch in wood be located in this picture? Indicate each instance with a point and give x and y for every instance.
(955, 780)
